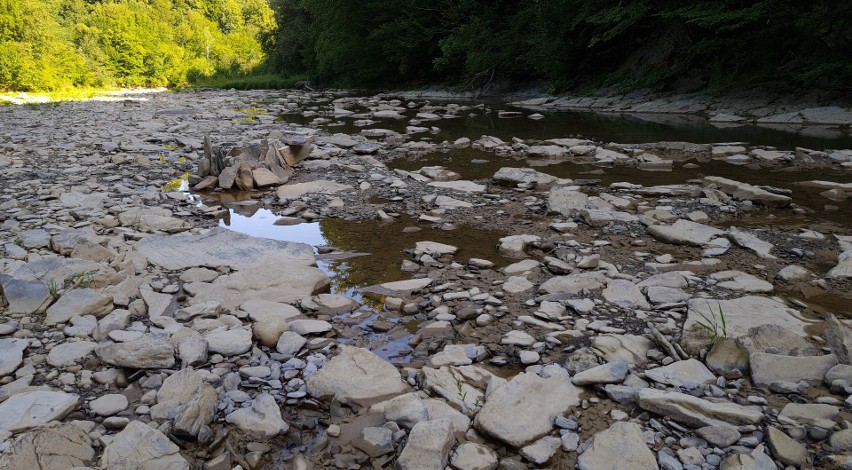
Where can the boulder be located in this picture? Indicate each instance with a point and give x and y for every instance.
(631, 349)
(574, 284)
(295, 191)
(522, 176)
(186, 400)
(229, 342)
(625, 294)
(473, 456)
(743, 313)
(78, 302)
(566, 201)
(767, 369)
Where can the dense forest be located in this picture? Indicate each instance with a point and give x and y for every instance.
(54, 44)
(567, 43)
(562, 44)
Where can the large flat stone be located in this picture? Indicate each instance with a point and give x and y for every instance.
(30, 409)
(744, 313)
(293, 191)
(222, 248)
(508, 415)
(50, 448)
(697, 412)
(767, 369)
(11, 354)
(428, 446)
(357, 376)
(78, 302)
(685, 232)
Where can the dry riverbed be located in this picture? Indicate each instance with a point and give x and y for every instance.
(222, 280)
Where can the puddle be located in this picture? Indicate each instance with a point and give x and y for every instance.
(374, 253)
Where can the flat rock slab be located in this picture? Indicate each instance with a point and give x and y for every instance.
(744, 313)
(697, 412)
(293, 191)
(685, 232)
(24, 296)
(625, 294)
(30, 409)
(522, 175)
(78, 302)
(508, 416)
(464, 186)
(399, 287)
(574, 284)
(219, 248)
(690, 373)
(767, 369)
(146, 352)
(621, 446)
(357, 376)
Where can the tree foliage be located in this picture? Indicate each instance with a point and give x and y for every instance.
(565, 42)
(54, 44)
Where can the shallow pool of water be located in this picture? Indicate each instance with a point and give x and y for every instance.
(606, 127)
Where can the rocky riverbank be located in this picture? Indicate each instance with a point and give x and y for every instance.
(697, 323)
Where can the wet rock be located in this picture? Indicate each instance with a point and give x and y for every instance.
(428, 446)
(507, 417)
(696, 412)
(784, 448)
(767, 369)
(146, 352)
(357, 376)
(619, 446)
(78, 302)
(30, 409)
(473, 456)
(139, 447)
(49, 448)
(11, 354)
(261, 420)
(690, 373)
